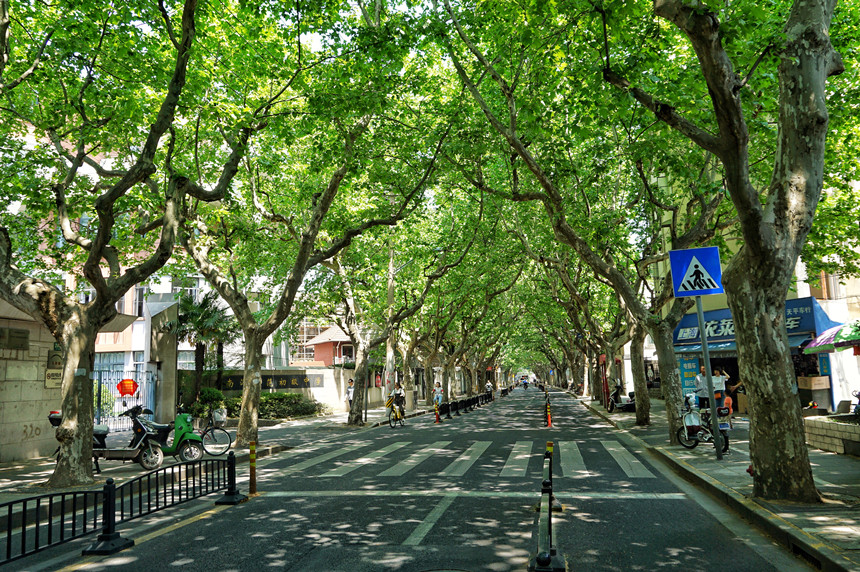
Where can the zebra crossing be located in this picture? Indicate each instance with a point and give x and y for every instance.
(522, 457)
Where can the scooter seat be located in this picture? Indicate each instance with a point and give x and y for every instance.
(101, 430)
(161, 425)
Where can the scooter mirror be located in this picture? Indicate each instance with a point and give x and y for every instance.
(147, 412)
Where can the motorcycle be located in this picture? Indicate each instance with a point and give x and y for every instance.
(697, 425)
(178, 437)
(620, 402)
(143, 448)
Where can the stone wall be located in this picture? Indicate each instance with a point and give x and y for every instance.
(827, 435)
(24, 400)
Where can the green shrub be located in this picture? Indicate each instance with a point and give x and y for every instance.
(233, 405)
(279, 406)
(210, 398)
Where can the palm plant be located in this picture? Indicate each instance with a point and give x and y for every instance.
(202, 322)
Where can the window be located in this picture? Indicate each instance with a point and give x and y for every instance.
(307, 331)
(139, 300)
(110, 361)
(185, 360)
(87, 296)
(139, 364)
(346, 353)
(186, 285)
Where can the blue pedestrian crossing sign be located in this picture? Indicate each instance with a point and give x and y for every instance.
(696, 271)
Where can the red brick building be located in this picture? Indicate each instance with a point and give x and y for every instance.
(332, 346)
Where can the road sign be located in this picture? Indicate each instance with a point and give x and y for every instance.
(696, 271)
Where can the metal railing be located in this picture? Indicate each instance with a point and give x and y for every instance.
(34, 524)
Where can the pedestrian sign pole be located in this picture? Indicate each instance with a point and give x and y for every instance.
(697, 272)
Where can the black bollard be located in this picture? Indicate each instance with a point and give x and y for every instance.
(231, 495)
(109, 541)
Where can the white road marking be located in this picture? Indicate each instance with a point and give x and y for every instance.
(349, 467)
(427, 524)
(320, 459)
(465, 461)
(526, 495)
(518, 461)
(408, 464)
(571, 461)
(631, 466)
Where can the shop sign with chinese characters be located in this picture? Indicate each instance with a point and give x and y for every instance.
(720, 326)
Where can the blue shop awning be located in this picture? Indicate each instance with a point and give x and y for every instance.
(794, 341)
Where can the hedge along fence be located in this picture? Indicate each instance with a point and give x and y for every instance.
(280, 406)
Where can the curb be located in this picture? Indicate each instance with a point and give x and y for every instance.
(820, 554)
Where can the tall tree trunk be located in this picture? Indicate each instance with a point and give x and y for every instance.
(406, 352)
(75, 433)
(640, 381)
(219, 364)
(199, 358)
(356, 414)
(251, 385)
(777, 438)
(670, 379)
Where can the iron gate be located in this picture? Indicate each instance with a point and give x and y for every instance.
(109, 401)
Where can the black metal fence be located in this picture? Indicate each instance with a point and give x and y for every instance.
(33, 524)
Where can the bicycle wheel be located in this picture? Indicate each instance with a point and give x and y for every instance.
(686, 442)
(392, 418)
(401, 416)
(216, 441)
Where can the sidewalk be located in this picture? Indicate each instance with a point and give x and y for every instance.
(827, 535)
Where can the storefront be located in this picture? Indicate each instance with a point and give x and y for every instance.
(804, 319)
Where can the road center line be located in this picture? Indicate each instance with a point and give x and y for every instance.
(422, 529)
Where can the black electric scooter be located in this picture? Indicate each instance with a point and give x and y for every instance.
(143, 447)
(620, 402)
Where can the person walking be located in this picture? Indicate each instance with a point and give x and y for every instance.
(719, 387)
(702, 389)
(350, 393)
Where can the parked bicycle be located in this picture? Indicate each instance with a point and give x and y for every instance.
(216, 440)
(697, 425)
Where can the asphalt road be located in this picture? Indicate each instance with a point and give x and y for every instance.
(460, 495)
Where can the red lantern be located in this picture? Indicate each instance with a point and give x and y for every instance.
(127, 387)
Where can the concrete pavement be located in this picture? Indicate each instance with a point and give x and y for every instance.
(827, 534)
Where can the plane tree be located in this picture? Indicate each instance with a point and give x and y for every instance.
(576, 156)
(740, 54)
(98, 175)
